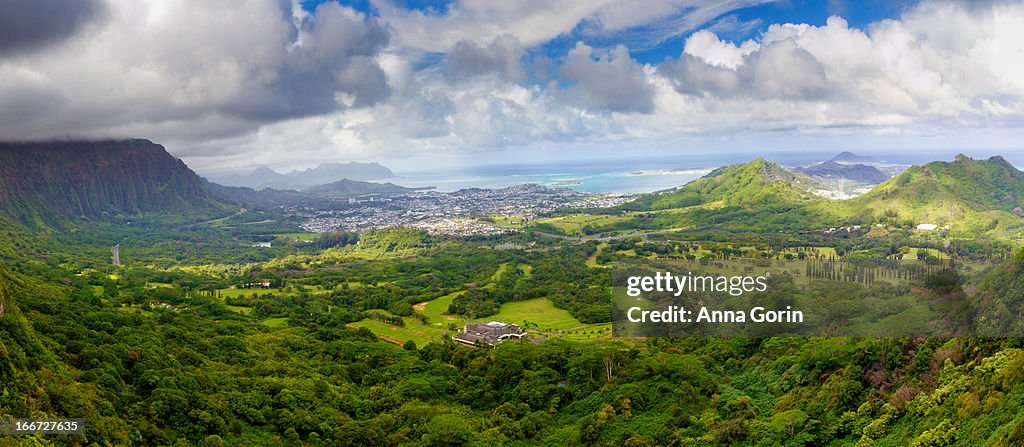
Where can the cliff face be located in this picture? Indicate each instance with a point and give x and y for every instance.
(94, 178)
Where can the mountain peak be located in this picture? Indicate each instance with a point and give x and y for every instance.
(264, 170)
(850, 157)
(944, 192)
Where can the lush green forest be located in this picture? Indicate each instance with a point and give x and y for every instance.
(202, 338)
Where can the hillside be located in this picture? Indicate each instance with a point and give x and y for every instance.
(251, 198)
(66, 179)
(967, 194)
(998, 298)
(758, 183)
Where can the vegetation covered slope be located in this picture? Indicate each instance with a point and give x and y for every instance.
(967, 194)
(998, 299)
(55, 180)
(758, 183)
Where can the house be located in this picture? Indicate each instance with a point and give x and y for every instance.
(927, 227)
(489, 334)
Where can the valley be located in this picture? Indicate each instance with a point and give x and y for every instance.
(329, 321)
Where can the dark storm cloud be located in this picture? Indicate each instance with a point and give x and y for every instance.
(502, 56)
(612, 81)
(780, 70)
(199, 71)
(26, 25)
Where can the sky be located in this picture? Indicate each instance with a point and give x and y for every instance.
(233, 84)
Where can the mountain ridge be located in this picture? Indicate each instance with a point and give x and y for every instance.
(758, 182)
(55, 180)
(943, 192)
(266, 177)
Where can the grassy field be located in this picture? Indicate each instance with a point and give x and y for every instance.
(589, 332)
(501, 271)
(437, 309)
(539, 316)
(413, 330)
(243, 310)
(508, 221)
(279, 322)
(592, 260)
(572, 224)
(538, 312)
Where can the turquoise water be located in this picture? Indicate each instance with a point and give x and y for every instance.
(625, 182)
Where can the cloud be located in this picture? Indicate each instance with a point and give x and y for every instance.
(642, 25)
(243, 82)
(940, 69)
(637, 24)
(611, 81)
(502, 56)
(27, 25)
(194, 71)
(706, 45)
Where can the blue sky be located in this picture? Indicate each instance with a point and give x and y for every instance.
(736, 26)
(240, 83)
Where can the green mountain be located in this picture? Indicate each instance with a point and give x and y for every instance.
(758, 183)
(966, 194)
(51, 181)
(251, 198)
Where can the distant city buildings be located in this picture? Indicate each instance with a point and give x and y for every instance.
(452, 213)
(116, 252)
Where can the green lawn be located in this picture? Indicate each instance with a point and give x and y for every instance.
(592, 260)
(572, 224)
(590, 332)
(278, 322)
(413, 330)
(243, 310)
(437, 309)
(540, 312)
(501, 271)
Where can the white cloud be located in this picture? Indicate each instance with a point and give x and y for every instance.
(634, 23)
(707, 46)
(181, 71)
(229, 84)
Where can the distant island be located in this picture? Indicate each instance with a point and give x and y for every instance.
(677, 171)
(266, 177)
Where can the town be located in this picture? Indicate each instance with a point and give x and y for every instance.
(448, 213)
